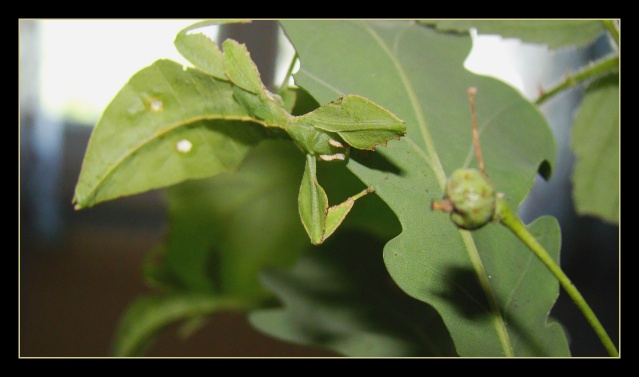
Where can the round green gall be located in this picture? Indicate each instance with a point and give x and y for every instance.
(471, 199)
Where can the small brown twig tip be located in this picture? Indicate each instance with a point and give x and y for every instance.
(471, 91)
(445, 205)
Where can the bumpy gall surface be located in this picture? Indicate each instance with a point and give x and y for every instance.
(473, 198)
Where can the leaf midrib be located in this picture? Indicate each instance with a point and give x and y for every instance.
(438, 169)
(412, 96)
(86, 200)
(83, 202)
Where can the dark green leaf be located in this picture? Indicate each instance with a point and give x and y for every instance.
(340, 297)
(418, 74)
(224, 229)
(595, 141)
(147, 316)
(554, 33)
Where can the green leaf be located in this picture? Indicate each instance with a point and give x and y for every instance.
(554, 33)
(239, 67)
(418, 74)
(224, 229)
(523, 288)
(340, 297)
(147, 316)
(595, 142)
(201, 51)
(166, 125)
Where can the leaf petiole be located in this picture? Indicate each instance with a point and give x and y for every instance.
(612, 29)
(511, 221)
(603, 66)
(289, 72)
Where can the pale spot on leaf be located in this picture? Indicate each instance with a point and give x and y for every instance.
(183, 146)
(156, 105)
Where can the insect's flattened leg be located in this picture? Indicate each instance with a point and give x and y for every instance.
(336, 156)
(312, 202)
(331, 157)
(336, 143)
(336, 214)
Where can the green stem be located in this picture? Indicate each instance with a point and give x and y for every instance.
(289, 72)
(602, 66)
(512, 222)
(612, 29)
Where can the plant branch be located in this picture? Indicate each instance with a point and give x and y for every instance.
(471, 97)
(512, 222)
(612, 29)
(289, 72)
(600, 67)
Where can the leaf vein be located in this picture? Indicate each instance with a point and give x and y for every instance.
(419, 114)
(156, 135)
(319, 80)
(482, 127)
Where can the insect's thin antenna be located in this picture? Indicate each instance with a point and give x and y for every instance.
(471, 96)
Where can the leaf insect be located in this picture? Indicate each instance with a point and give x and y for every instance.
(326, 133)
